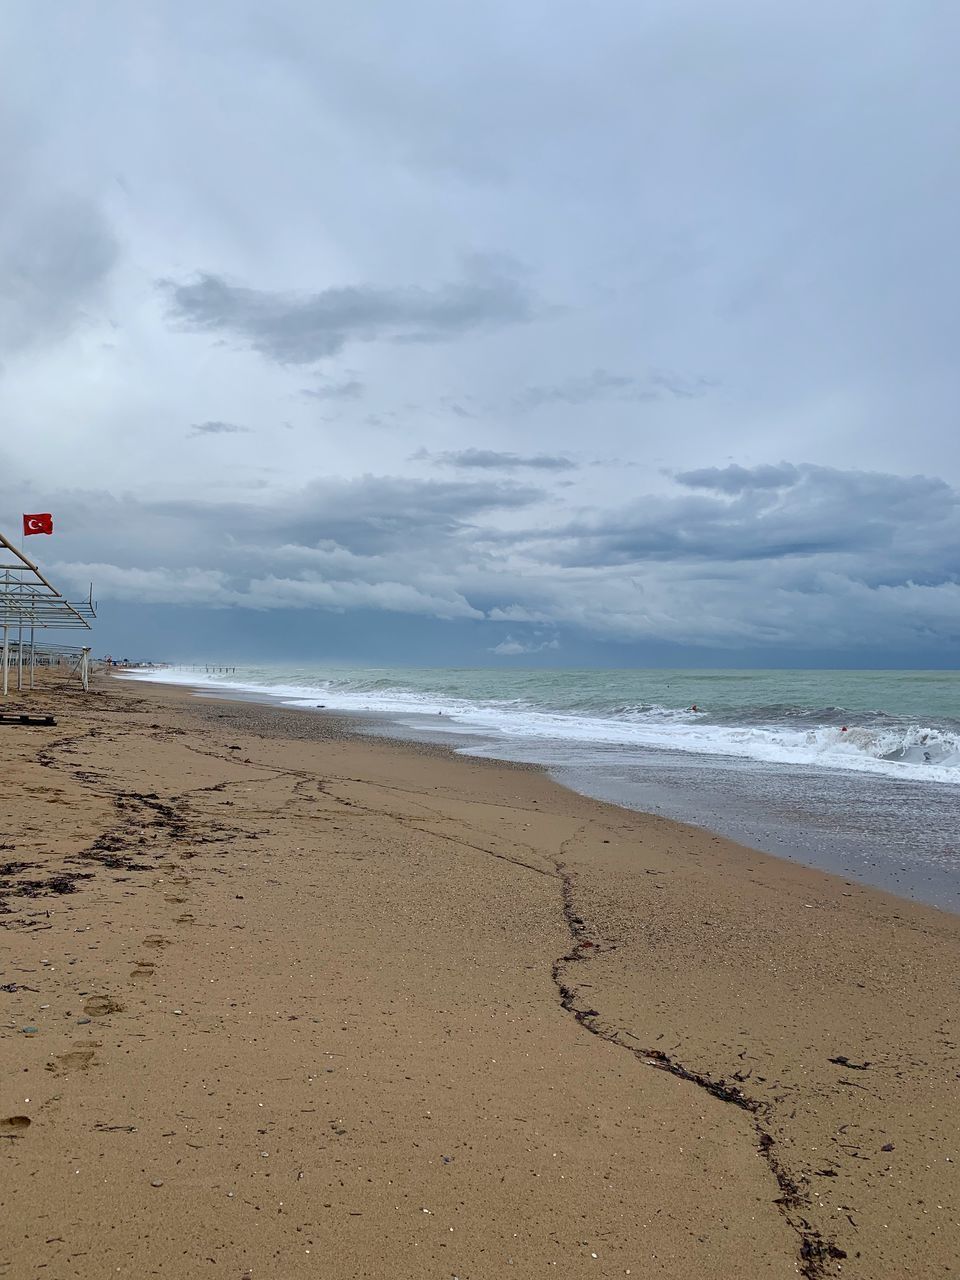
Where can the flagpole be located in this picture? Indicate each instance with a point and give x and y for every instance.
(23, 534)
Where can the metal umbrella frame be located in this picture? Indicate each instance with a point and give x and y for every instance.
(30, 602)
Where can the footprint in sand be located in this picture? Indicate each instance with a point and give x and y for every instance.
(101, 1006)
(14, 1124)
(156, 940)
(143, 969)
(172, 897)
(186, 918)
(79, 1059)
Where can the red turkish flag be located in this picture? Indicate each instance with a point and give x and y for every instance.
(42, 522)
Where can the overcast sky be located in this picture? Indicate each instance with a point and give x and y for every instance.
(502, 332)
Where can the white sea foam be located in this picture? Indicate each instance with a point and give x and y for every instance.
(896, 750)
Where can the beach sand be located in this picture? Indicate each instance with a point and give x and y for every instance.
(313, 1005)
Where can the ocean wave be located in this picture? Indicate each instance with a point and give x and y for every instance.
(772, 734)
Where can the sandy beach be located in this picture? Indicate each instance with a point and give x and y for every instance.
(278, 1001)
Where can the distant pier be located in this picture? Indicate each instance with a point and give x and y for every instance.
(208, 670)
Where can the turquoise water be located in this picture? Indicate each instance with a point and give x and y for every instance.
(904, 693)
(909, 694)
(901, 723)
(854, 771)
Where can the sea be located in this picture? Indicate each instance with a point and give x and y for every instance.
(854, 772)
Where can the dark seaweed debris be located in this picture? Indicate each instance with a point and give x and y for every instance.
(816, 1253)
(15, 868)
(62, 882)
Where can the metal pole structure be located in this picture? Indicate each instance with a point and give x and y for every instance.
(29, 600)
(6, 630)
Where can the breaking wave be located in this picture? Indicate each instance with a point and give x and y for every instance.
(565, 707)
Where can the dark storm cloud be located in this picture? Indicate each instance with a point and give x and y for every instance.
(368, 515)
(376, 514)
(304, 328)
(491, 459)
(835, 559)
(602, 385)
(376, 542)
(218, 429)
(903, 524)
(55, 260)
(384, 512)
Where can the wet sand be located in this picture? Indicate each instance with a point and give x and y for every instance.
(281, 1002)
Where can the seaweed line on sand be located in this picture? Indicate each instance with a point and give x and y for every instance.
(816, 1251)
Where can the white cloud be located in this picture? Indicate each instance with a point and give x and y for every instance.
(216, 589)
(188, 586)
(510, 648)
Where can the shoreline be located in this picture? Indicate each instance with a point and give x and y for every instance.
(730, 1114)
(710, 795)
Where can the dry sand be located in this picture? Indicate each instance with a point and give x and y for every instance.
(307, 1005)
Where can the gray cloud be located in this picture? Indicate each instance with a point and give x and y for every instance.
(602, 385)
(736, 479)
(213, 589)
(217, 429)
(813, 511)
(455, 407)
(379, 543)
(491, 459)
(833, 560)
(55, 260)
(366, 516)
(306, 328)
(350, 389)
